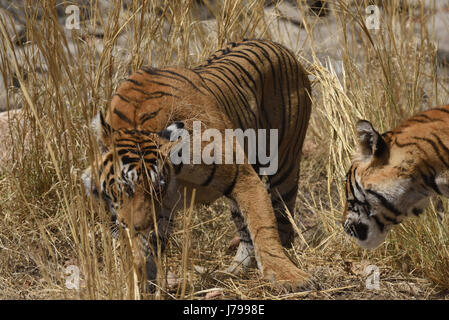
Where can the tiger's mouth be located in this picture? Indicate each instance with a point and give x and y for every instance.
(367, 234)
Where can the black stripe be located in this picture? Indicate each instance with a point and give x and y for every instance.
(435, 148)
(236, 106)
(122, 152)
(161, 84)
(385, 202)
(182, 77)
(127, 140)
(122, 97)
(392, 220)
(107, 160)
(426, 117)
(267, 57)
(235, 214)
(417, 146)
(379, 224)
(148, 148)
(284, 83)
(122, 145)
(236, 65)
(359, 188)
(441, 110)
(122, 116)
(238, 87)
(225, 104)
(226, 65)
(126, 160)
(137, 83)
(442, 145)
(138, 132)
(158, 95)
(429, 179)
(152, 95)
(151, 161)
(149, 115)
(145, 152)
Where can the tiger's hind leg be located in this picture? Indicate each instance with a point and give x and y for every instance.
(245, 252)
(283, 198)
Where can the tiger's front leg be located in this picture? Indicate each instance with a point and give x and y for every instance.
(255, 205)
(148, 245)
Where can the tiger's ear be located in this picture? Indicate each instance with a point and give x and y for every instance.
(102, 130)
(173, 132)
(372, 147)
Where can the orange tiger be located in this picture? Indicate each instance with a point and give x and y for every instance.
(253, 84)
(394, 174)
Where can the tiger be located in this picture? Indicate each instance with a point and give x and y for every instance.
(251, 84)
(394, 174)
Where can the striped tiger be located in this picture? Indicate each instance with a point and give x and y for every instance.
(395, 173)
(253, 84)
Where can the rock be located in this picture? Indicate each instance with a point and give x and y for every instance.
(438, 29)
(287, 12)
(214, 294)
(199, 269)
(13, 117)
(408, 288)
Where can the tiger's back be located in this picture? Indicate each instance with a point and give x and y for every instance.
(261, 85)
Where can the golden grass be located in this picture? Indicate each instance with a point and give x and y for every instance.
(47, 223)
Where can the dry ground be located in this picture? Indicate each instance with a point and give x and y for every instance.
(47, 224)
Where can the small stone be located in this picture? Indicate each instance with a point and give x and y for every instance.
(213, 294)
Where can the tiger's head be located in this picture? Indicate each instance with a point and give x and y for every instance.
(133, 172)
(381, 189)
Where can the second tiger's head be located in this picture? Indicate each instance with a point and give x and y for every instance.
(381, 186)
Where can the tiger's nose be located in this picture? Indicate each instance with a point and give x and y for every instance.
(357, 230)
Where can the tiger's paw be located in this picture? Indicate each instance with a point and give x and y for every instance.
(289, 278)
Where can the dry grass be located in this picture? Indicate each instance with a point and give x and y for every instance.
(48, 224)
